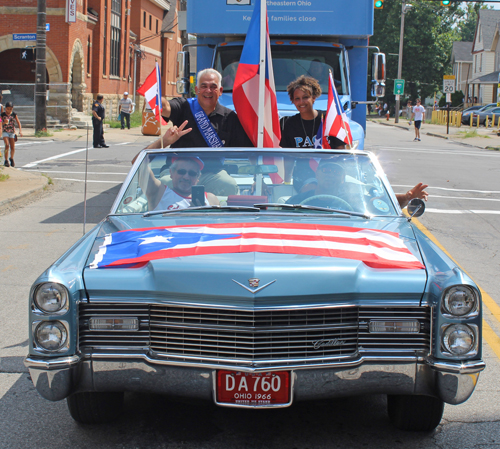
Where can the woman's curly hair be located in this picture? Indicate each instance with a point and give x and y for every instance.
(305, 83)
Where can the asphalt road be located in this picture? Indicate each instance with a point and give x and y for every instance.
(463, 214)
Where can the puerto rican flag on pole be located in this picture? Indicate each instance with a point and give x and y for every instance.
(151, 91)
(336, 123)
(254, 96)
(375, 248)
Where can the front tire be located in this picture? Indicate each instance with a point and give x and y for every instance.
(417, 413)
(94, 407)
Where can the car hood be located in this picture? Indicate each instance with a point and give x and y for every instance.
(254, 279)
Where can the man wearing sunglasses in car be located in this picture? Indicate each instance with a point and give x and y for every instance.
(185, 173)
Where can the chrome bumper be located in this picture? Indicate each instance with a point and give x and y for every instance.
(56, 379)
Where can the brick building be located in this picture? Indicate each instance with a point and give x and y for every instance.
(96, 54)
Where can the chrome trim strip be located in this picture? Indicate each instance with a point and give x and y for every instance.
(52, 364)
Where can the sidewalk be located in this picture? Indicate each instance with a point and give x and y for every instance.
(485, 137)
(20, 185)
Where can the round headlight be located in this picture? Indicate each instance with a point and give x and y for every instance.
(459, 339)
(460, 301)
(51, 297)
(51, 335)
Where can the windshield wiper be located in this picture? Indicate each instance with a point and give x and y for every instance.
(306, 207)
(209, 207)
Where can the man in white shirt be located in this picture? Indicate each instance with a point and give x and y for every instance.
(125, 109)
(418, 116)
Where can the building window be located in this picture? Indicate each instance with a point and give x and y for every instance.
(116, 28)
(156, 26)
(144, 19)
(89, 45)
(105, 36)
(150, 21)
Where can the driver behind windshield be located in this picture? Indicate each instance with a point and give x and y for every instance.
(185, 173)
(330, 181)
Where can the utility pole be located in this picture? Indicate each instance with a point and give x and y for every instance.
(41, 77)
(404, 9)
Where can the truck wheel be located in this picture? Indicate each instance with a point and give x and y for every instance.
(419, 413)
(95, 407)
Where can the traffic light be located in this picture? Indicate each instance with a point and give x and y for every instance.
(378, 4)
(445, 2)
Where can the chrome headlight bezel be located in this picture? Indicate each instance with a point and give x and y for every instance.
(61, 325)
(40, 303)
(446, 331)
(447, 298)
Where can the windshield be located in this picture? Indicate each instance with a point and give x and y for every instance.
(314, 182)
(289, 62)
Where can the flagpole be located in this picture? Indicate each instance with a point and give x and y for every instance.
(262, 72)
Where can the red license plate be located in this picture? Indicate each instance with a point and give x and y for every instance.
(234, 387)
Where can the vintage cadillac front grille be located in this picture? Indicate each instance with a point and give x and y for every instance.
(256, 335)
(231, 335)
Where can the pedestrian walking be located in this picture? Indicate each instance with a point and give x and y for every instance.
(125, 109)
(408, 112)
(418, 115)
(98, 115)
(9, 119)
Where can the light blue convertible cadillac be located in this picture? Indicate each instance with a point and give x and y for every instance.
(256, 278)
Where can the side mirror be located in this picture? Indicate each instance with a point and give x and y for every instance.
(416, 208)
(378, 68)
(183, 73)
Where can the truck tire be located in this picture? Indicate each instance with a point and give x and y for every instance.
(95, 407)
(418, 413)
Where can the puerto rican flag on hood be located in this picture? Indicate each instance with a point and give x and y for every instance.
(375, 248)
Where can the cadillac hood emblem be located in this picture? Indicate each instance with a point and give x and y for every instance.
(254, 282)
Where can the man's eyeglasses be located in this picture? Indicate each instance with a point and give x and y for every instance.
(192, 173)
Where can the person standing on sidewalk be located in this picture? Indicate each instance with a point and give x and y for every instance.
(98, 115)
(418, 115)
(125, 109)
(408, 112)
(9, 119)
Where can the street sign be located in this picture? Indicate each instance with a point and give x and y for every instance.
(449, 84)
(24, 37)
(399, 87)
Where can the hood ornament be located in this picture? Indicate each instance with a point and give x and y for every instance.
(254, 282)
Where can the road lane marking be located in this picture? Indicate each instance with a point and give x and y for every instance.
(123, 143)
(33, 143)
(77, 172)
(88, 180)
(450, 152)
(465, 211)
(488, 334)
(450, 189)
(34, 164)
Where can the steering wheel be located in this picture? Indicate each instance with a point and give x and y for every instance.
(329, 201)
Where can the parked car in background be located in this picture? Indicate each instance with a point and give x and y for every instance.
(466, 113)
(483, 114)
(271, 292)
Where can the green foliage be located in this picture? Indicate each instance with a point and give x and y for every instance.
(135, 121)
(457, 99)
(430, 30)
(4, 177)
(43, 133)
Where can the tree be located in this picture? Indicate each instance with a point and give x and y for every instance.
(467, 26)
(430, 30)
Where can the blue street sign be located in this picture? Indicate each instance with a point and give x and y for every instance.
(24, 37)
(47, 27)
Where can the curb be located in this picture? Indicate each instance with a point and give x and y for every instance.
(23, 196)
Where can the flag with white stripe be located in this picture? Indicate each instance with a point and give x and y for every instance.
(377, 249)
